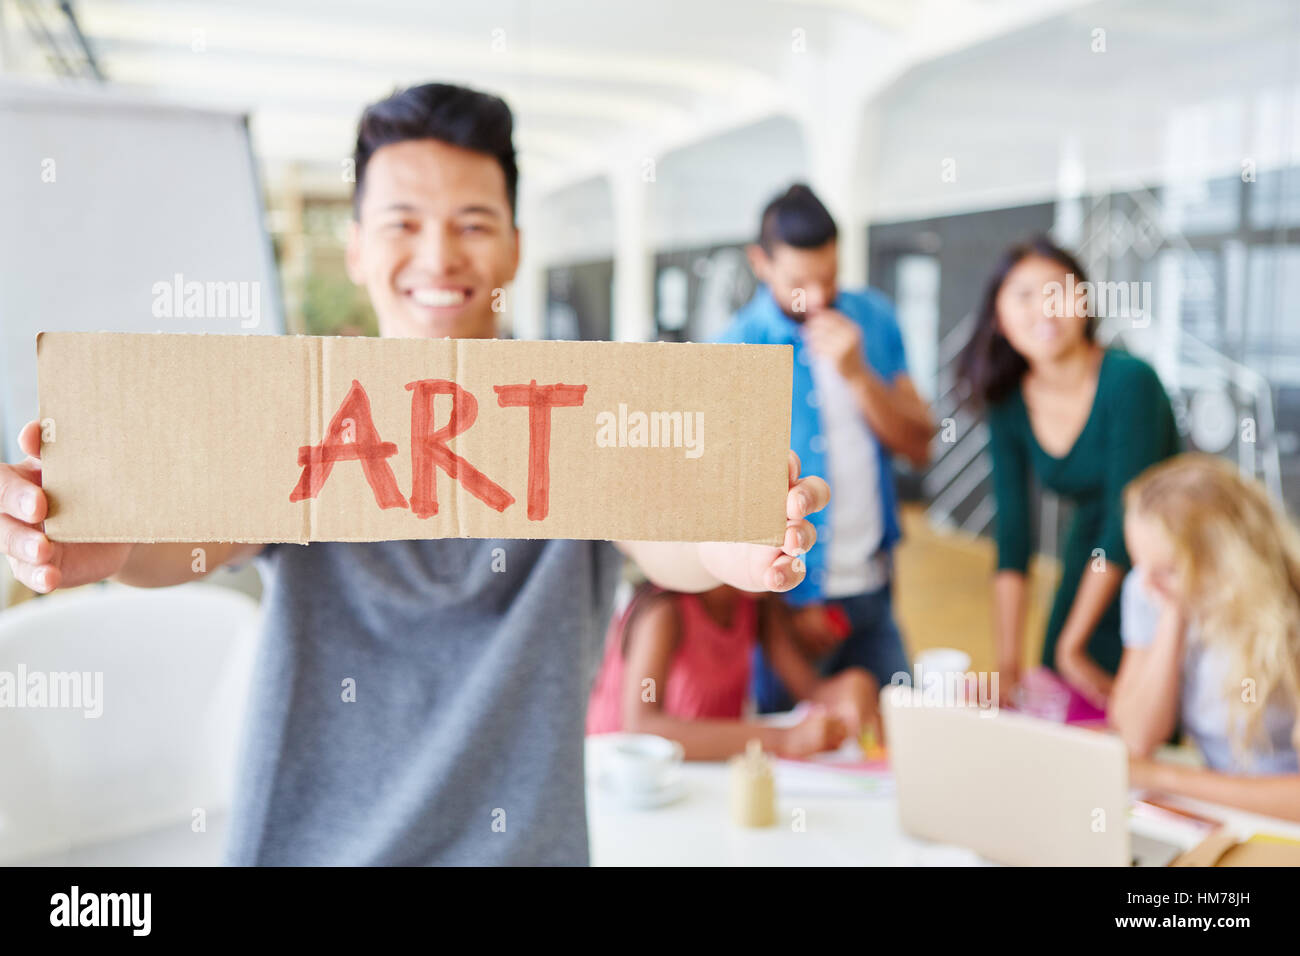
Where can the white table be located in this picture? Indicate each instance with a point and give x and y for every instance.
(838, 830)
(697, 830)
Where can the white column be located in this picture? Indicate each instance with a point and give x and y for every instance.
(8, 57)
(528, 292)
(1071, 182)
(833, 127)
(528, 300)
(633, 319)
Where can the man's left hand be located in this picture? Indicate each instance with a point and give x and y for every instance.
(756, 567)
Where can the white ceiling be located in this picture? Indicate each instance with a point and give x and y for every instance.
(1185, 90)
(586, 79)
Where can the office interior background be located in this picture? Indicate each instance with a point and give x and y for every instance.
(1157, 138)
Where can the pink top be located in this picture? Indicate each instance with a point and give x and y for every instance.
(708, 676)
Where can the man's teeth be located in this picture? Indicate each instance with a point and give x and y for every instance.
(438, 298)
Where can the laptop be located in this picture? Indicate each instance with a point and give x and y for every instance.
(1015, 789)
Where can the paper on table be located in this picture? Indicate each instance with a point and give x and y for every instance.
(839, 772)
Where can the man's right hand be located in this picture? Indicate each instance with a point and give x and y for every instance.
(38, 562)
(820, 730)
(818, 632)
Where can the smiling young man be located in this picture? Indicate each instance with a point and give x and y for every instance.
(418, 702)
(433, 237)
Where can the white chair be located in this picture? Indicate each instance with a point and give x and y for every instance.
(126, 786)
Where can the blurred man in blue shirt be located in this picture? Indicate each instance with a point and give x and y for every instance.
(853, 408)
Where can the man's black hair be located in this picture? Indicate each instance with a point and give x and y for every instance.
(452, 114)
(796, 218)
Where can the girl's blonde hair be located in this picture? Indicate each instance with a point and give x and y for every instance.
(1238, 558)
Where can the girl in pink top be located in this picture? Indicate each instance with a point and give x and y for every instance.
(677, 665)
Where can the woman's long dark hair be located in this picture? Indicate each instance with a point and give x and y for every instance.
(988, 366)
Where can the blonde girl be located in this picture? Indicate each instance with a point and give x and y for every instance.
(1211, 629)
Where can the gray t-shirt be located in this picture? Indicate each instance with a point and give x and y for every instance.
(468, 663)
(1203, 707)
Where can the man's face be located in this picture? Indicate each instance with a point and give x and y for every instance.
(435, 244)
(801, 280)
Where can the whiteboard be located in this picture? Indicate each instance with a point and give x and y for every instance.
(104, 201)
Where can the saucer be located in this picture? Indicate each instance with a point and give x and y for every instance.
(660, 796)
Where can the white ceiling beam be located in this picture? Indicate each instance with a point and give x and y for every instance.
(424, 50)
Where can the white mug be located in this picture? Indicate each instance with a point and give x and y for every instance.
(640, 762)
(941, 671)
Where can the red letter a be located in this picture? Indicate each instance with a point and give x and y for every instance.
(429, 449)
(539, 399)
(351, 437)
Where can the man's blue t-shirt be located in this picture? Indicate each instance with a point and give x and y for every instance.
(761, 322)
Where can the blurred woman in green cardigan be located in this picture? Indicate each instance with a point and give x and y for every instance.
(1085, 420)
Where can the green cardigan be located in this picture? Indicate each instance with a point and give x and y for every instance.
(1131, 426)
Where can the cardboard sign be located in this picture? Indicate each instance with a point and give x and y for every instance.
(291, 438)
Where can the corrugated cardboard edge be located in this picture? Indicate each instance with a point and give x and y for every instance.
(317, 419)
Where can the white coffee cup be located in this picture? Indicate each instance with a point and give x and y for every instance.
(941, 671)
(640, 763)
